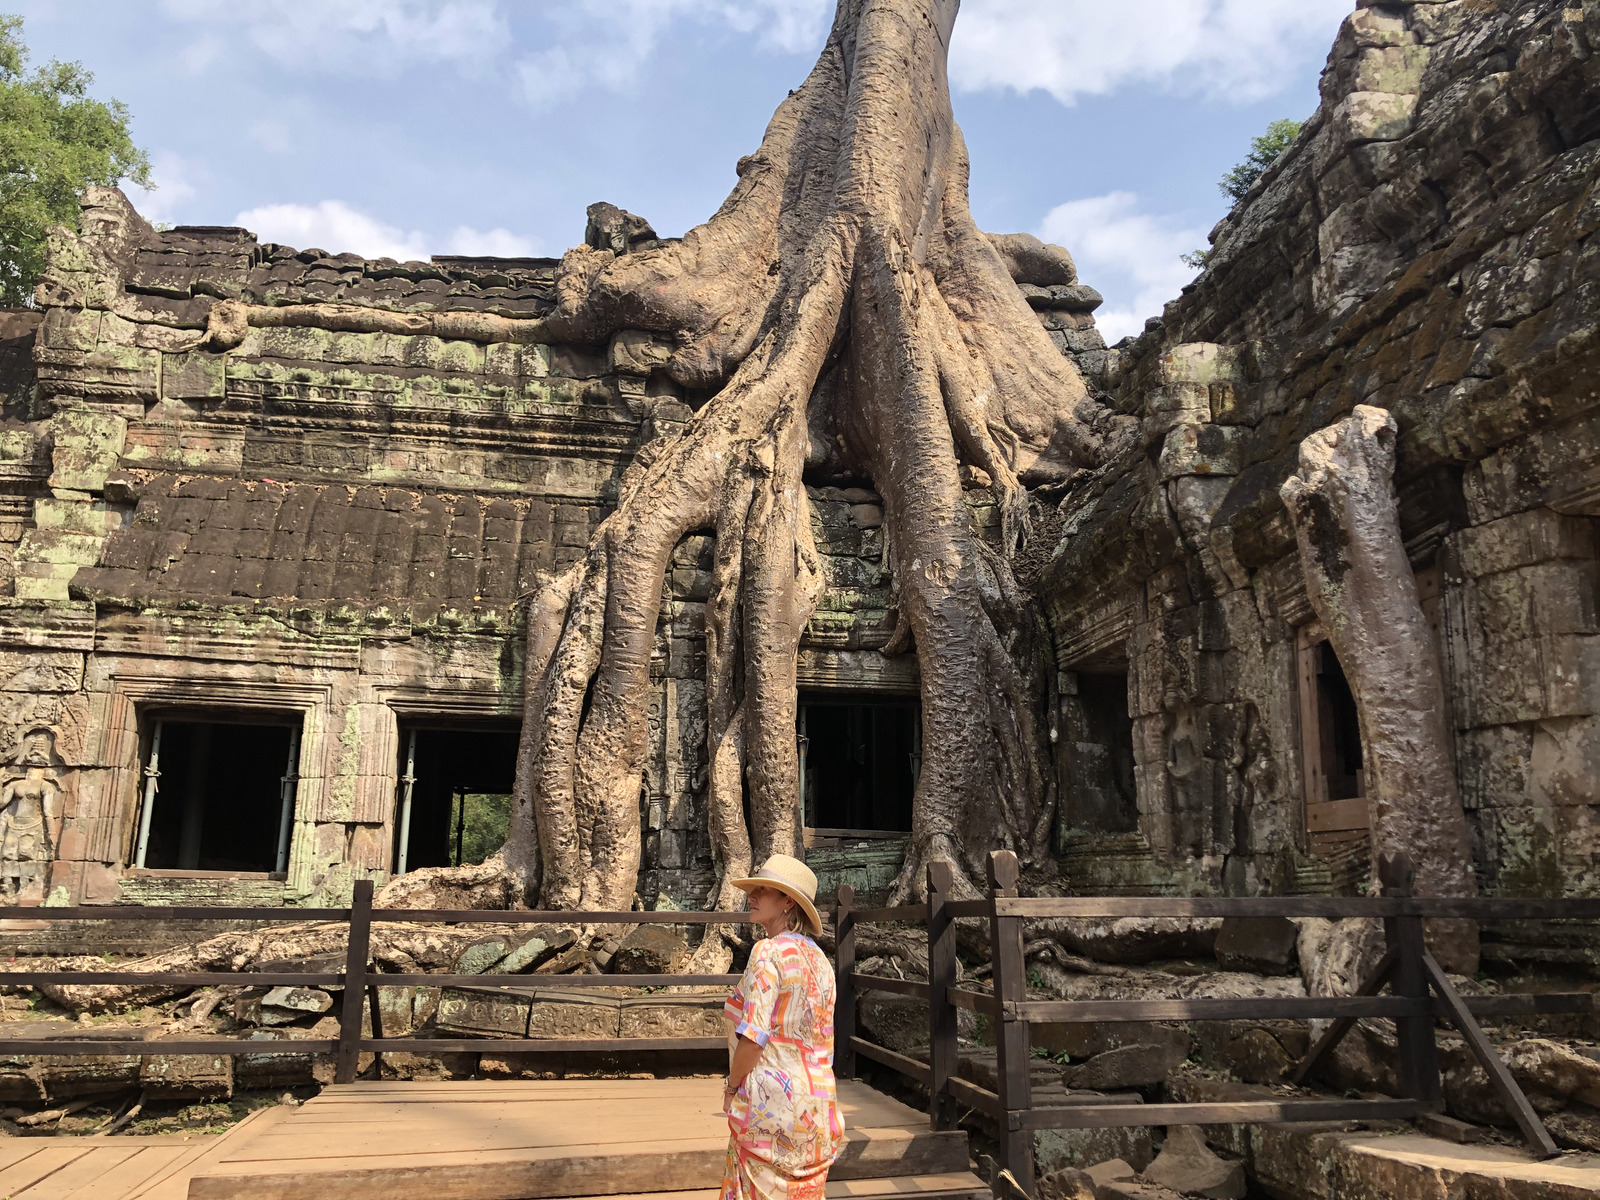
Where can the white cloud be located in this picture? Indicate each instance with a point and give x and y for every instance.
(333, 226)
(196, 58)
(1132, 257)
(355, 35)
(606, 43)
(338, 228)
(271, 135)
(1237, 50)
(491, 243)
(175, 183)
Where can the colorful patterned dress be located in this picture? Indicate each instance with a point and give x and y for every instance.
(784, 1120)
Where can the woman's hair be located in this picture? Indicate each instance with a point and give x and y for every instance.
(797, 919)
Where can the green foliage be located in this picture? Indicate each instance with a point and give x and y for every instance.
(1263, 151)
(54, 142)
(487, 817)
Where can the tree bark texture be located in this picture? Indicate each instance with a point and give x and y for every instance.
(1360, 582)
(851, 320)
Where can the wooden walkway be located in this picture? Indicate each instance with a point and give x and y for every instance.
(116, 1168)
(530, 1140)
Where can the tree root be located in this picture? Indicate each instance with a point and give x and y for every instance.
(852, 322)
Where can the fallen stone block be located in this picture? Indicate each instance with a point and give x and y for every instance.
(1261, 945)
(186, 1076)
(298, 1000)
(484, 1012)
(540, 943)
(1135, 939)
(1117, 1180)
(1256, 1053)
(650, 950)
(477, 957)
(1066, 1184)
(1081, 1039)
(259, 1071)
(1054, 1149)
(574, 1013)
(1128, 1066)
(1577, 1128)
(1187, 1166)
(897, 1022)
(670, 1016)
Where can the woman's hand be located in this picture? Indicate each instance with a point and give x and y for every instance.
(745, 1055)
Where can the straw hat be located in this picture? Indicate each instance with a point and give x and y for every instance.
(791, 877)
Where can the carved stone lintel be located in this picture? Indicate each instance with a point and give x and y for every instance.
(1360, 584)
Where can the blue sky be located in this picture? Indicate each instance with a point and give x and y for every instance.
(410, 127)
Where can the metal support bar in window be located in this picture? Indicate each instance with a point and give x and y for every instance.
(409, 780)
(461, 821)
(152, 784)
(290, 789)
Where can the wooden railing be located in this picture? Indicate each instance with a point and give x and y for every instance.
(359, 983)
(1420, 992)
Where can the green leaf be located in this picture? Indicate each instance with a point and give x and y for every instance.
(55, 141)
(1264, 150)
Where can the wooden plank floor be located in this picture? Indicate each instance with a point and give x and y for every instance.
(530, 1140)
(115, 1168)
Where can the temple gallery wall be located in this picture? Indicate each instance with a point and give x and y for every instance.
(260, 631)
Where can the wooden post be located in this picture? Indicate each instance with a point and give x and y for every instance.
(1418, 1064)
(355, 983)
(1505, 1084)
(1011, 1034)
(941, 1013)
(844, 968)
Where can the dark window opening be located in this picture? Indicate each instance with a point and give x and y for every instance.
(859, 761)
(218, 794)
(1339, 729)
(1102, 797)
(455, 794)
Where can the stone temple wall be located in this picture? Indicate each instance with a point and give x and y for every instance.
(336, 528)
(339, 526)
(1427, 246)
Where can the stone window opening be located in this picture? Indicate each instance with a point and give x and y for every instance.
(859, 761)
(1101, 795)
(217, 791)
(453, 800)
(1335, 783)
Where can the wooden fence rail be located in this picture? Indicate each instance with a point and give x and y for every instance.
(1420, 992)
(360, 983)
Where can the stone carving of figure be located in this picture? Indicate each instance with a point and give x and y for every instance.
(30, 807)
(1256, 776)
(1185, 772)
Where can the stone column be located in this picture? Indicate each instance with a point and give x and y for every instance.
(1360, 583)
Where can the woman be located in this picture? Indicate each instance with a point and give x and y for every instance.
(779, 1097)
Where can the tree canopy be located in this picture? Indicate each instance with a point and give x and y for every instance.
(1263, 151)
(55, 140)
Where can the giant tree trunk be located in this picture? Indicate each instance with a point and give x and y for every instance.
(852, 321)
(1359, 579)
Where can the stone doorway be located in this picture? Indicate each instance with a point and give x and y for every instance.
(454, 799)
(1336, 813)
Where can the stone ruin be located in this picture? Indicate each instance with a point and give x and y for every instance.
(260, 608)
